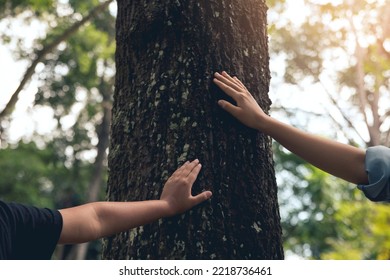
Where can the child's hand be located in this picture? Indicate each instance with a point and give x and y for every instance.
(177, 190)
(247, 110)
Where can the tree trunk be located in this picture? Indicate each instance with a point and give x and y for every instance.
(165, 113)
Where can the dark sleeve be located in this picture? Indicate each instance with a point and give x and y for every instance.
(33, 232)
(377, 163)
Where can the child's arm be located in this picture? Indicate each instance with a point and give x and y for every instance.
(99, 219)
(343, 161)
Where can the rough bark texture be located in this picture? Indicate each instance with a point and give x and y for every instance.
(165, 113)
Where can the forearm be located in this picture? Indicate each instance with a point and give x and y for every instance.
(341, 160)
(115, 217)
(100, 219)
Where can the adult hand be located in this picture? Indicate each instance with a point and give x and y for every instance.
(177, 190)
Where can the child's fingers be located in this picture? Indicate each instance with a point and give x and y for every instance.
(226, 89)
(230, 78)
(234, 80)
(230, 108)
(241, 84)
(224, 79)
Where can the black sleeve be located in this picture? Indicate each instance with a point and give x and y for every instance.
(28, 232)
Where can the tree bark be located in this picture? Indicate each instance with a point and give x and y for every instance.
(165, 113)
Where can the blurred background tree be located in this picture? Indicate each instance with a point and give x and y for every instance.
(75, 70)
(336, 52)
(331, 68)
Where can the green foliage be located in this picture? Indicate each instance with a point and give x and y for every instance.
(83, 6)
(76, 78)
(307, 201)
(303, 60)
(323, 217)
(41, 5)
(78, 66)
(328, 35)
(14, 7)
(326, 218)
(39, 176)
(362, 231)
(23, 173)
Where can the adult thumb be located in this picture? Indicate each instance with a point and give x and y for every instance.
(202, 197)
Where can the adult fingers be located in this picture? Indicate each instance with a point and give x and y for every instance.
(193, 174)
(189, 167)
(180, 169)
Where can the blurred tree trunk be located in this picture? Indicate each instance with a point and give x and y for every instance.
(165, 113)
(103, 133)
(94, 190)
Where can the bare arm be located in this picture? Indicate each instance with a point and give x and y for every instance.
(343, 161)
(98, 219)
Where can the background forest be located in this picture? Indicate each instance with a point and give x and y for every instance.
(330, 63)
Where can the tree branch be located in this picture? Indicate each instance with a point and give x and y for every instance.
(344, 116)
(364, 103)
(46, 50)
